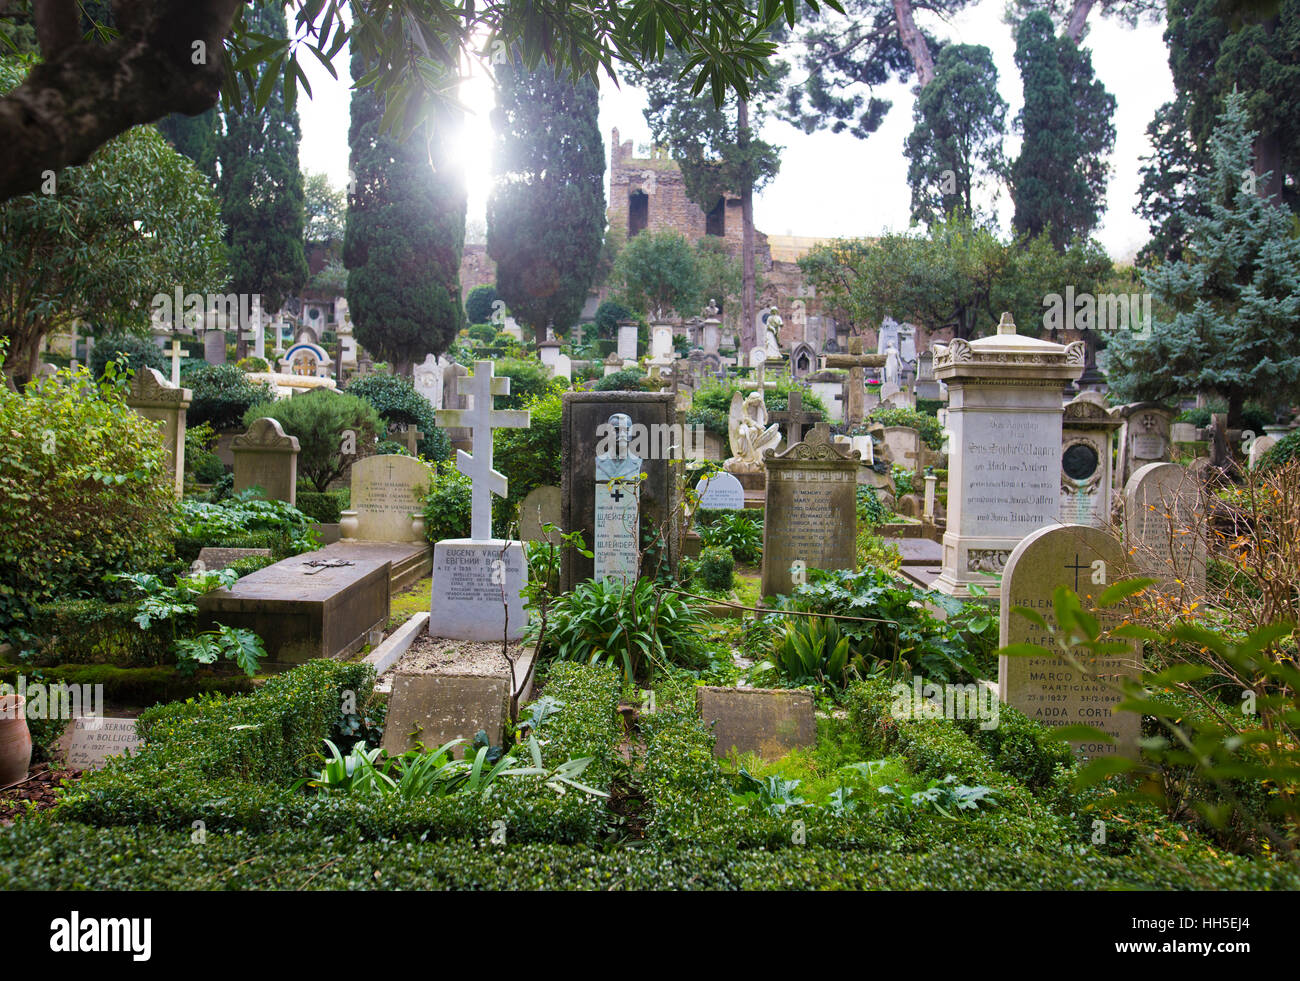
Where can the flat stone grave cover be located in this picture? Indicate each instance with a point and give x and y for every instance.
(89, 741)
(920, 552)
(766, 721)
(1050, 689)
(303, 611)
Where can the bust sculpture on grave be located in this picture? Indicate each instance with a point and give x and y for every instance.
(751, 436)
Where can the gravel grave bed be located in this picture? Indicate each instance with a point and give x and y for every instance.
(444, 656)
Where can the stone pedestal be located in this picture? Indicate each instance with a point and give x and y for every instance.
(477, 587)
(1004, 413)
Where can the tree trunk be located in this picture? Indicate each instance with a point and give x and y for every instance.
(23, 354)
(748, 310)
(1078, 18)
(914, 41)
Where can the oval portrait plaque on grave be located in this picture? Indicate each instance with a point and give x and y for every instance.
(1080, 461)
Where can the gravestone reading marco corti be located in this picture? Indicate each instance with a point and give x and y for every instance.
(1004, 464)
(810, 513)
(1050, 689)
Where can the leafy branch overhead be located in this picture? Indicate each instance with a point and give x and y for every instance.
(140, 62)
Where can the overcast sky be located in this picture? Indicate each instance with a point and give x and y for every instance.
(831, 185)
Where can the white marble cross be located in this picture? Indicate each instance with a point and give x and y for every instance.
(481, 419)
(175, 352)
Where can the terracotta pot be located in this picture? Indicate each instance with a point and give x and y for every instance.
(15, 740)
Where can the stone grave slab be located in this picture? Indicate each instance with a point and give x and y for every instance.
(89, 741)
(920, 552)
(409, 561)
(434, 708)
(542, 506)
(766, 721)
(303, 611)
(1049, 689)
(810, 514)
(214, 558)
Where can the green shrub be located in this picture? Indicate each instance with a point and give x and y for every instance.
(253, 364)
(1282, 452)
(326, 508)
(399, 404)
(224, 396)
(91, 631)
(870, 510)
(1254, 416)
(927, 425)
(636, 628)
(483, 333)
(716, 569)
(533, 454)
(478, 304)
(529, 380)
(200, 461)
(242, 522)
(714, 422)
(128, 351)
(319, 419)
(628, 380)
(737, 531)
(84, 491)
(447, 511)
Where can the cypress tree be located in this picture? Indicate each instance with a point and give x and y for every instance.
(546, 213)
(404, 238)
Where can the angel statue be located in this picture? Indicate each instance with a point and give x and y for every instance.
(773, 324)
(751, 436)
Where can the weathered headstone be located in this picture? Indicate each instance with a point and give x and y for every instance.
(1143, 438)
(213, 557)
(89, 741)
(1004, 412)
(810, 514)
(154, 398)
(1165, 526)
(721, 491)
(653, 420)
(627, 331)
(1258, 447)
(1088, 426)
(768, 722)
(540, 507)
(794, 417)
(265, 457)
(214, 347)
(1049, 689)
(478, 581)
(388, 494)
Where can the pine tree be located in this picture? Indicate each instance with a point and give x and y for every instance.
(546, 213)
(960, 120)
(1165, 196)
(405, 234)
(1234, 299)
(261, 190)
(196, 137)
(1059, 180)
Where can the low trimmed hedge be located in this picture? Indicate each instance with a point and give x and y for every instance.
(326, 508)
(88, 631)
(135, 686)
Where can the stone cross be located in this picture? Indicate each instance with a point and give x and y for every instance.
(481, 419)
(175, 352)
(855, 408)
(411, 437)
(793, 418)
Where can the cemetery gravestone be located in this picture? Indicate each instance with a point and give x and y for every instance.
(1050, 689)
(1144, 437)
(478, 581)
(1258, 447)
(721, 491)
(653, 434)
(154, 398)
(768, 722)
(617, 524)
(541, 507)
(1004, 412)
(627, 331)
(214, 347)
(793, 418)
(810, 514)
(91, 740)
(1087, 428)
(266, 458)
(388, 494)
(1165, 525)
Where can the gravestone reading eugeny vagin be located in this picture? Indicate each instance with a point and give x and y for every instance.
(267, 459)
(1004, 464)
(653, 436)
(810, 514)
(478, 581)
(1049, 689)
(616, 515)
(1165, 526)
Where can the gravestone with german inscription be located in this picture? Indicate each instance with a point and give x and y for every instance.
(810, 514)
(1050, 689)
(1004, 461)
(1165, 526)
